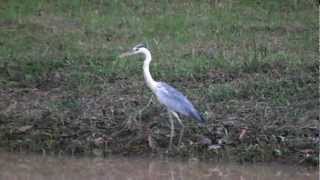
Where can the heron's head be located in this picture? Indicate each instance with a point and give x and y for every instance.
(140, 48)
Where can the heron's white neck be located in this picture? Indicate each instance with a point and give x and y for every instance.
(146, 72)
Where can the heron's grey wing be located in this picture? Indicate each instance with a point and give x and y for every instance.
(176, 101)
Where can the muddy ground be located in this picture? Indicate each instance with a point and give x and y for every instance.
(125, 121)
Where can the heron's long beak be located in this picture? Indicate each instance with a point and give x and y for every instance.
(126, 54)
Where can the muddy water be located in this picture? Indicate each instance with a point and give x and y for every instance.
(33, 167)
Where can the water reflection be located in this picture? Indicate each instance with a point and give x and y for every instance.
(17, 167)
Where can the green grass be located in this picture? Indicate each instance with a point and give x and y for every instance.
(214, 51)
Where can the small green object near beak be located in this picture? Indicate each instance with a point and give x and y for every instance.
(125, 54)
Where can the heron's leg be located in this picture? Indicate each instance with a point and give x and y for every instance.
(182, 127)
(172, 129)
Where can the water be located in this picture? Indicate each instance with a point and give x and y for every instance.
(31, 167)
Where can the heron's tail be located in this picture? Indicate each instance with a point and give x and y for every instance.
(198, 116)
(201, 119)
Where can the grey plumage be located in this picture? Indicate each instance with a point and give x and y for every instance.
(174, 100)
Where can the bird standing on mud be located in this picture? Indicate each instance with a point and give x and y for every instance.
(172, 99)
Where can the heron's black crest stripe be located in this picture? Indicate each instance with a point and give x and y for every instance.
(141, 45)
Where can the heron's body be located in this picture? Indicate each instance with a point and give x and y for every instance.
(177, 102)
(168, 96)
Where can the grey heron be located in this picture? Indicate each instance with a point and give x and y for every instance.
(172, 99)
